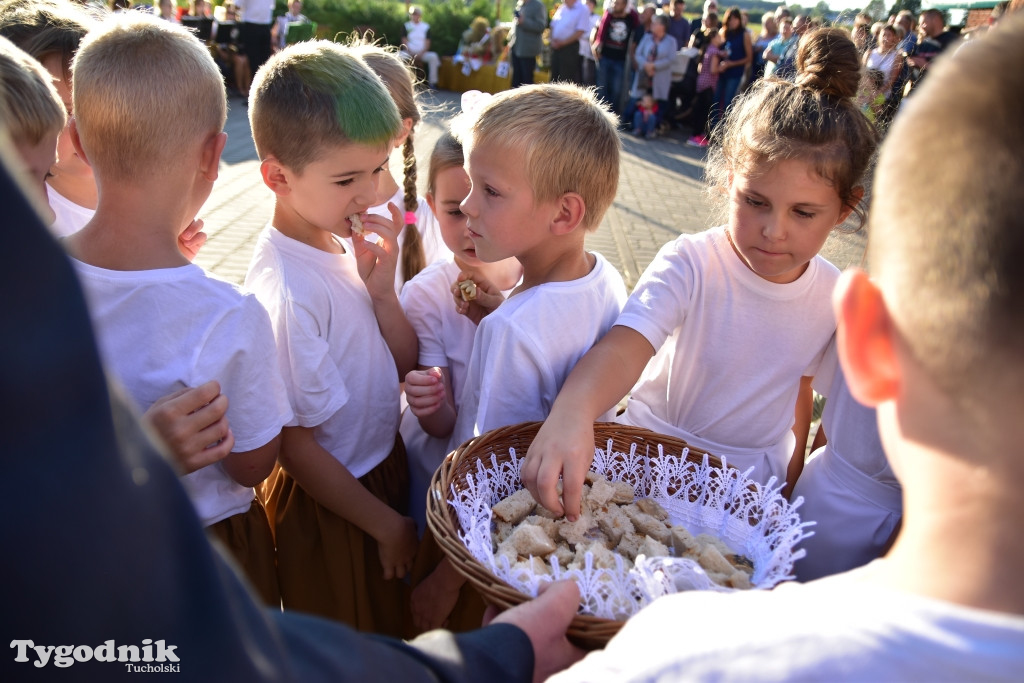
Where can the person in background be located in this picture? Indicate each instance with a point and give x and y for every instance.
(294, 15)
(679, 25)
(611, 48)
(416, 45)
(769, 32)
(710, 7)
(524, 40)
(778, 47)
(257, 25)
(168, 11)
(738, 54)
(570, 23)
(588, 66)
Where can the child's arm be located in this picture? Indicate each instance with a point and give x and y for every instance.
(565, 443)
(429, 392)
(801, 429)
(192, 424)
(377, 263)
(333, 486)
(192, 239)
(250, 468)
(435, 597)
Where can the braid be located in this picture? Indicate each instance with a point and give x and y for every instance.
(413, 257)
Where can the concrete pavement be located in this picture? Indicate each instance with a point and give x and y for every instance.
(661, 195)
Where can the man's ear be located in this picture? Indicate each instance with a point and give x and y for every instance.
(275, 176)
(76, 141)
(213, 147)
(866, 338)
(569, 214)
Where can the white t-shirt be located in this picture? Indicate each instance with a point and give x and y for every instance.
(446, 340)
(256, 11)
(434, 247)
(568, 20)
(848, 487)
(70, 217)
(842, 628)
(416, 36)
(731, 348)
(525, 349)
(163, 330)
(337, 368)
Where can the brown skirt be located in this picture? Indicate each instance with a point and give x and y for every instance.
(330, 567)
(247, 535)
(468, 613)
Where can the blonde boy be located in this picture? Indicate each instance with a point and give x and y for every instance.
(149, 111)
(933, 341)
(324, 124)
(543, 162)
(32, 112)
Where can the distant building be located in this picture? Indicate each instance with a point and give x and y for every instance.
(965, 14)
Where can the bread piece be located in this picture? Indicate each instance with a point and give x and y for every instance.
(501, 531)
(601, 493)
(629, 546)
(652, 548)
(653, 508)
(719, 544)
(713, 561)
(576, 532)
(528, 540)
(614, 523)
(741, 562)
(591, 477)
(603, 558)
(623, 493)
(534, 565)
(683, 543)
(357, 224)
(516, 507)
(564, 554)
(549, 525)
(739, 580)
(467, 289)
(645, 524)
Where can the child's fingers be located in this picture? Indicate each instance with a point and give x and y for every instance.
(545, 487)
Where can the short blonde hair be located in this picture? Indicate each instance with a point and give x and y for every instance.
(314, 96)
(145, 91)
(568, 138)
(31, 106)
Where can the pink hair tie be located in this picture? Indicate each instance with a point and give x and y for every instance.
(410, 218)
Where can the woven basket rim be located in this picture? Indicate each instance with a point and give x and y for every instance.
(585, 630)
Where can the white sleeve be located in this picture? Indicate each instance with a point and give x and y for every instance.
(661, 299)
(423, 311)
(517, 385)
(240, 353)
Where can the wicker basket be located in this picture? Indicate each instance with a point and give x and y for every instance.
(585, 630)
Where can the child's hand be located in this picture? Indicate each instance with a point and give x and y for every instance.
(378, 260)
(488, 298)
(425, 391)
(192, 239)
(561, 447)
(192, 423)
(398, 549)
(434, 598)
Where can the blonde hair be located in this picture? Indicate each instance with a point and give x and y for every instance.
(145, 90)
(43, 27)
(314, 96)
(946, 233)
(32, 107)
(814, 119)
(568, 139)
(398, 78)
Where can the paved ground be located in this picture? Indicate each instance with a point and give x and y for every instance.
(660, 197)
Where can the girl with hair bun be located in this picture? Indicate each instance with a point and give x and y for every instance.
(726, 328)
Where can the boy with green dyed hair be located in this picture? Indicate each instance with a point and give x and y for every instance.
(323, 123)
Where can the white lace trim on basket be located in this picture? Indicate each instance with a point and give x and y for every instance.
(724, 499)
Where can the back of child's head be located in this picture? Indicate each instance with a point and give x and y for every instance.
(32, 108)
(814, 119)
(45, 27)
(567, 137)
(447, 153)
(946, 232)
(146, 94)
(314, 96)
(399, 80)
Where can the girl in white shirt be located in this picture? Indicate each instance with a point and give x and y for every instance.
(446, 341)
(726, 328)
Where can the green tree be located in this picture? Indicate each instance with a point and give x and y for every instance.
(912, 6)
(876, 8)
(821, 9)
